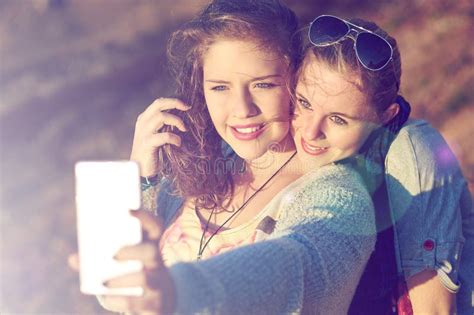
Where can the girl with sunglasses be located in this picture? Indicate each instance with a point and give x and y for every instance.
(247, 229)
(348, 85)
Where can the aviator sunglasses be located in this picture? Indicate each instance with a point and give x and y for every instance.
(372, 50)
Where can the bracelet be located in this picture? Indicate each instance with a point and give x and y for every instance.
(148, 181)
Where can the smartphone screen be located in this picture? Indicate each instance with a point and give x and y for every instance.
(105, 193)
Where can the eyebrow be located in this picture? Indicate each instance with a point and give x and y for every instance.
(253, 79)
(331, 113)
(345, 115)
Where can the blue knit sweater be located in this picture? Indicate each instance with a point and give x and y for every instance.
(310, 264)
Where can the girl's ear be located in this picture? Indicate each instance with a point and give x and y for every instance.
(390, 113)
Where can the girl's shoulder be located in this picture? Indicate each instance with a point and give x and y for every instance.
(422, 143)
(335, 175)
(420, 155)
(334, 186)
(333, 196)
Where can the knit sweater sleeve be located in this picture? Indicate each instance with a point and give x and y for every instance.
(311, 263)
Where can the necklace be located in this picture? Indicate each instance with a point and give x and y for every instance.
(202, 245)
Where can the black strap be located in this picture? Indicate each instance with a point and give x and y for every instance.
(377, 292)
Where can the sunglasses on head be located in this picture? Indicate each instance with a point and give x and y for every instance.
(372, 50)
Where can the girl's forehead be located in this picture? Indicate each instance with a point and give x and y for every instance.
(225, 56)
(314, 62)
(248, 45)
(317, 75)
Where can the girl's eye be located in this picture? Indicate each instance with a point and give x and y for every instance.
(338, 120)
(305, 104)
(219, 88)
(263, 85)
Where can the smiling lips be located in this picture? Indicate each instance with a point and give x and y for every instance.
(313, 150)
(247, 132)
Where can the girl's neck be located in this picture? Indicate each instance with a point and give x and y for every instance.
(262, 168)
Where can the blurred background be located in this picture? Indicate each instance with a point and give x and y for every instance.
(75, 74)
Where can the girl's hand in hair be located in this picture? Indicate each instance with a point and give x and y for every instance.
(158, 286)
(148, 137)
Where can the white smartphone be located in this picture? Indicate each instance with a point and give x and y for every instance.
(105, 193)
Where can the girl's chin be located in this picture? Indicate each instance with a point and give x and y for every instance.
(248, 155)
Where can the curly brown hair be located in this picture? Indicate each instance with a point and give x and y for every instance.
(199, 169)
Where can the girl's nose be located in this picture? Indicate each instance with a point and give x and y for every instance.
(243, 105)
(312, 127)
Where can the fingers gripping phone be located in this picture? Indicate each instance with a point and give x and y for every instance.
(105, 193)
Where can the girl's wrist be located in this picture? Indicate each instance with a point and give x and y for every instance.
(149, 181)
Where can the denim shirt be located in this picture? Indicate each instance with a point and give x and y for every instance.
(432, 209)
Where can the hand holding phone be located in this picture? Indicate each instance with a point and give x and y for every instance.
(105, 194)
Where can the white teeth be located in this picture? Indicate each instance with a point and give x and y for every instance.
(314, 148)
(248, 130)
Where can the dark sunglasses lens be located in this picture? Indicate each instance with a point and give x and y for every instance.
(327, 29)
(373, 51)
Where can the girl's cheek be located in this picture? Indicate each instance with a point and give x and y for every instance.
(351, 143)
(297, 121)
(340, 140)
